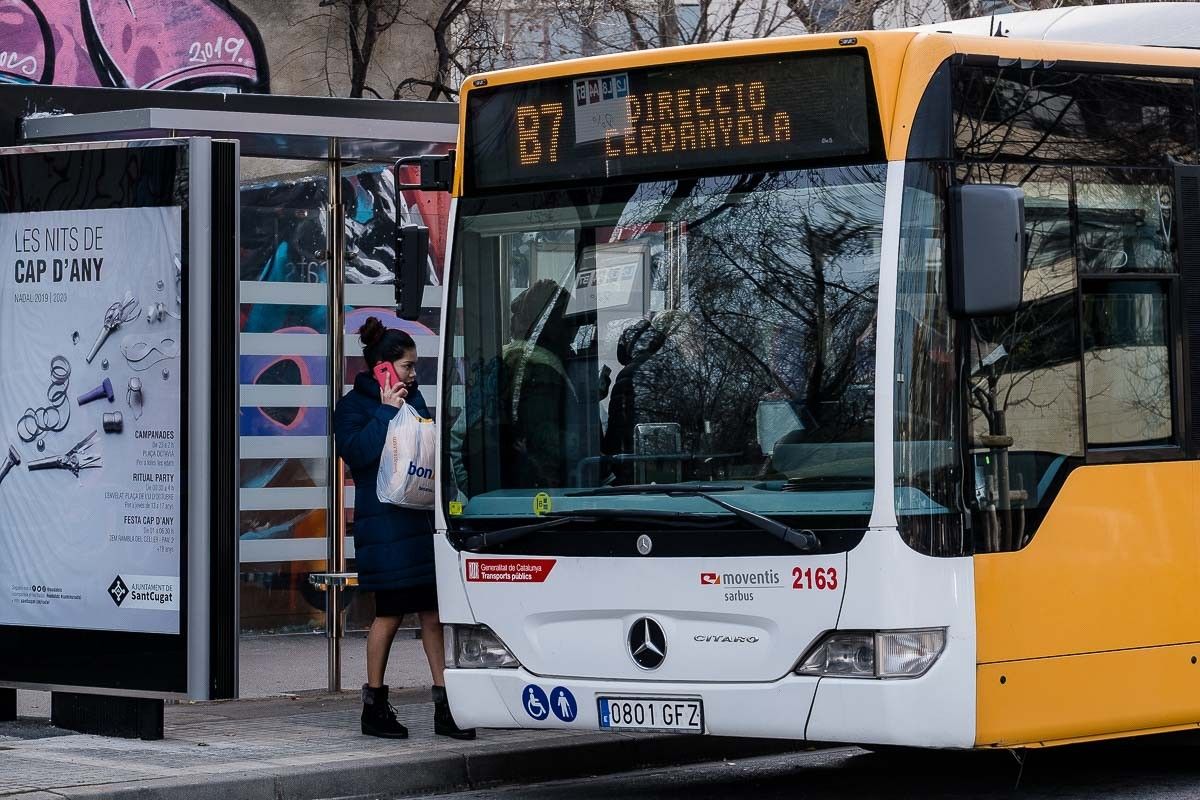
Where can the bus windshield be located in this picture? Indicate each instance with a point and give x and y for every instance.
(716, 330)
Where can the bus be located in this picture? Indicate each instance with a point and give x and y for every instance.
(841, 388)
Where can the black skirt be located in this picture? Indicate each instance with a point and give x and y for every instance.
(409, 600)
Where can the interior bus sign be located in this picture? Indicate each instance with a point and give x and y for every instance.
(795, 107)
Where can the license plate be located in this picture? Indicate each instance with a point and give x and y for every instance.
(652, 714)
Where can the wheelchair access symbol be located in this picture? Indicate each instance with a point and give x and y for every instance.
(563, 704)
(535, 702)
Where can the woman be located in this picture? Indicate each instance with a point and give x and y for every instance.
(393, 545)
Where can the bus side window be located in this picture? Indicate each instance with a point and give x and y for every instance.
(1099, 279)
(1126, 221)
(1023, 373)
(1001, 113)
(1127, 364)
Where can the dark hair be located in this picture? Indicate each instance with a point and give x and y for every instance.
(383, 344)
(639, 342)
(544, 299)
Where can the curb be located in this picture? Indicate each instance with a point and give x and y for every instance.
(449, 770)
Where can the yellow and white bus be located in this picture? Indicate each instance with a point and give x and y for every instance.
(838, 388)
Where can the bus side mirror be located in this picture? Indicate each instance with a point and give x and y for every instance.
(987, 252)
(436, 173)
(412, 257)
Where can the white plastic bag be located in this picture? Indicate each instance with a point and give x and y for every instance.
(406, 465)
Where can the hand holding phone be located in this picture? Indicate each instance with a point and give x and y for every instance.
(393, 395)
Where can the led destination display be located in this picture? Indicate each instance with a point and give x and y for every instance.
(715, 114)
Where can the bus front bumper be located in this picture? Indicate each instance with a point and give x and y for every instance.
(934, 710)
(495, 698)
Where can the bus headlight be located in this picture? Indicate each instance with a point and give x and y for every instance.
(874, 654)
(476, 647)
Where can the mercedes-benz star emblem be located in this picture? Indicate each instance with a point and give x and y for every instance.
(645, 544)
(647, 643)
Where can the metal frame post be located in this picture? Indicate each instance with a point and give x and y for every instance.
(335, 530)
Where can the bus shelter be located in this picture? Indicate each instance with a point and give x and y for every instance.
(318, 210)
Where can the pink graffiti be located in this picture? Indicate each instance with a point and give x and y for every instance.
(24, 40)
(139, 44)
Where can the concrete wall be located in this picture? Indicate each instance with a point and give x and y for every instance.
(307, 47)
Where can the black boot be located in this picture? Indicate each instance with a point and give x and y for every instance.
(443, 720)
(378, 716)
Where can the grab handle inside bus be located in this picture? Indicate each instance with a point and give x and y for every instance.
(987, 249)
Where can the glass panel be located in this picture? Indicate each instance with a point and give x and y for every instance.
(1043, 114)
(284, 221)
(928, 486)
(283, 373)
(1023, 373)
(370, 229)
(1127, 364)
(277, 598)
(369, 196)
(711, 329)
(369, 193)
(257, 473)
(268, 526)
(278, 317)
(1125, 221)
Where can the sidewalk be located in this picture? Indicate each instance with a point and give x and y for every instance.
(309, 747)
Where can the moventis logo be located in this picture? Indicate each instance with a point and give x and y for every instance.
(764, 579)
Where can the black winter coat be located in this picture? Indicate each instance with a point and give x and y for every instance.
(393, 545)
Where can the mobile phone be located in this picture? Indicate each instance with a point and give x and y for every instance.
(385, 374)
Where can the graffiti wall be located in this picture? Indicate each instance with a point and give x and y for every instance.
(141, 44)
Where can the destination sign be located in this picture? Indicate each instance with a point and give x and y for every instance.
(698, 115)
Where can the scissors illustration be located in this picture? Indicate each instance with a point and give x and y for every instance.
(118, 314)
(76, 459)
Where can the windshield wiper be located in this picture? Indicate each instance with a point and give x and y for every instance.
(476, 541)
(805, 541)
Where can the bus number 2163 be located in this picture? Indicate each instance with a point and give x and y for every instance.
(819, 578)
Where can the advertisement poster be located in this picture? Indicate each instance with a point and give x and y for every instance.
(90, 434)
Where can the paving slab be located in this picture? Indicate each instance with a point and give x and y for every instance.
(308, 745)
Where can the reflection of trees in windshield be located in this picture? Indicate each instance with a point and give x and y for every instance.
(636, 333)
(778, 303)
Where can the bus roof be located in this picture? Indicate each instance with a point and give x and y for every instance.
(1156, 24)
